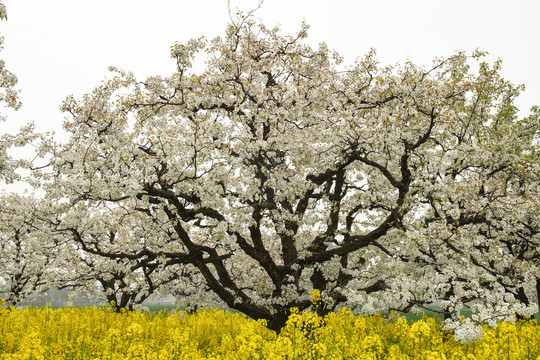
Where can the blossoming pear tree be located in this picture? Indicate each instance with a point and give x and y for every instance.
(24, 253)
(479, 241)
(105, 250)
(277, 170)
(26, 247)
(8, 94)
(9, 98)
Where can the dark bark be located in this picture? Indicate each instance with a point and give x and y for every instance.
(520, 295)
(538, 293)
(278, 321)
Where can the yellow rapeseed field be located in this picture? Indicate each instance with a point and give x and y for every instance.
(98, 333)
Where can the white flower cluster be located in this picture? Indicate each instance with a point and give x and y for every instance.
(464, 331)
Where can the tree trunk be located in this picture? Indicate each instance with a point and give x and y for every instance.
(520, 295)
(278, 321)
(538, 293)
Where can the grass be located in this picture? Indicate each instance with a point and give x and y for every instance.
(157, 308)
(466, 312)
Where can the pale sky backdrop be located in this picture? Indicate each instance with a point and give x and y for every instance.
(62, 47)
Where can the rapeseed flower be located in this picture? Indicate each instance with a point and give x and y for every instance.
(99, 333)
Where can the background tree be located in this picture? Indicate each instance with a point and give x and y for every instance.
(277, 171)
(479, 236)
(8, 93)
(9, 98)
(106, 249)
(26, 247)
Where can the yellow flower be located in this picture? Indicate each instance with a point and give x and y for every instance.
(97, 333)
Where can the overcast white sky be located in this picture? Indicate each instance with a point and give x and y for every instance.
(62, 47)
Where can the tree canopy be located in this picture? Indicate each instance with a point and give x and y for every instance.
(277, 171)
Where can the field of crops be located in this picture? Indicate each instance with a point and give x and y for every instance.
(98, 333)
